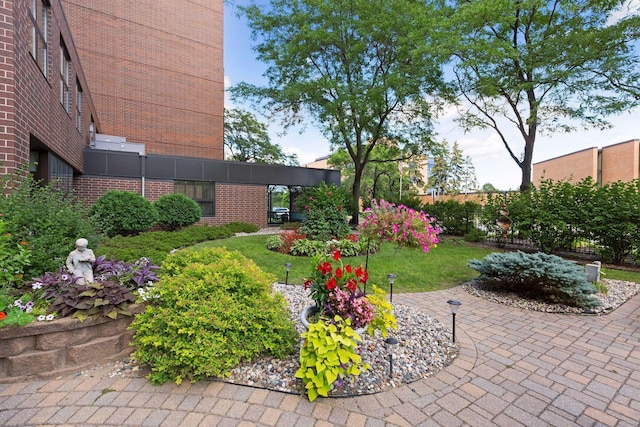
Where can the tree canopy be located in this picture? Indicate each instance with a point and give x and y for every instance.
(246, 140)
(362, 70)
(543, 66)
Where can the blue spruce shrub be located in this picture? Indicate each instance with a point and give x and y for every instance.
(538, 275)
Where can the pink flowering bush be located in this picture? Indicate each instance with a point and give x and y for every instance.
(400, 224)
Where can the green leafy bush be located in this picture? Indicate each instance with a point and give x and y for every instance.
(542, 276)
(325, 207)
(48, 219)
(453, 217)
(177, 210)
(475, 235)
(124, 213)
(241, 227)
(14, 257)
(156, 245)
(214, 309)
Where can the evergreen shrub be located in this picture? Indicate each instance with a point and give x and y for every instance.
(177, 210)
(538, 275)
(124, 213)
(214, 310)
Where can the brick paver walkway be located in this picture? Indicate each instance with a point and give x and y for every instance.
(515, 368)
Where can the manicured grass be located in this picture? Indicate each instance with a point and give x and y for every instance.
(628, 276)
(443, 267)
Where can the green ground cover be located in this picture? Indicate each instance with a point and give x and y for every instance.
(443, 267)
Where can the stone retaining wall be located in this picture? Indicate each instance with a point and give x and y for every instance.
(63, 346)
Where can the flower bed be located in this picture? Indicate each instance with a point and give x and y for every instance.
(63, 346)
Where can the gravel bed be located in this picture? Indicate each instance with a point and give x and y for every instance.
(618, 292)
(424, 347)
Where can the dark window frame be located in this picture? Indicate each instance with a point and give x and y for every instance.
(202, 192)
(39, 15)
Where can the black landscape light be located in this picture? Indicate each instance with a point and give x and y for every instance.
(454, 304)
(390, 343)
(392, 278)
(287, 266)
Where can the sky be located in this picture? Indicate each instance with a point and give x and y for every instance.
(489, 156)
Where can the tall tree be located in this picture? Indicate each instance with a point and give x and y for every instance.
(544, 66)
(246, 140)
(362, 70)
(452, 172)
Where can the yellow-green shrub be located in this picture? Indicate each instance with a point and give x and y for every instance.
(214, 310)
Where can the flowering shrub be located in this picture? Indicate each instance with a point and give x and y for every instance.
(331, 274)
(400, 224)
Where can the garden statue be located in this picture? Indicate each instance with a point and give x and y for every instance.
(80, 262)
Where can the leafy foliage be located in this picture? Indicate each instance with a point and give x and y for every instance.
(124, 213)
(177, 210)
(367, 72)
(214, 310)
(555, 215)
(453, 217)
(539, 275)
(247, 140)
(326, 216)
(542, 67)
(329, 352)
(46, 218)
(383, 318)
(156, 245)
(14, 257)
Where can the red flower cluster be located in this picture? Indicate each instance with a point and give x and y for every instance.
(329, 277)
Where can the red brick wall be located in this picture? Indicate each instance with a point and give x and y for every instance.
(620, 162)
(576, 166)
(29, 101)
(156, 71)
(234, 202)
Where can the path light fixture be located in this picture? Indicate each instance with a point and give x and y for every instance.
(287, 267)
(392, 278)
(390, 343)
(454, 304)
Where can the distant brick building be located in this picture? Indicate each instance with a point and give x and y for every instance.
(617, 162)
(100, 95)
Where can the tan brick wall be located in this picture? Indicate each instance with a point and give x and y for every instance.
(155, 68)
(621, 162)
(29, 100)
(572, 167)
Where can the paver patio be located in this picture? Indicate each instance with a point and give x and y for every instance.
(515, 368)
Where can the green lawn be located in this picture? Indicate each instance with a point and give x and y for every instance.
(443, 267)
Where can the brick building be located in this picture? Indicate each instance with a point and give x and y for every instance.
(617, 162)
(127, 95)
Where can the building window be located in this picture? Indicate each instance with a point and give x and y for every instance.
(39, 13)
(65, 77)
(203, 192)
(78, 107)
(60, 173)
